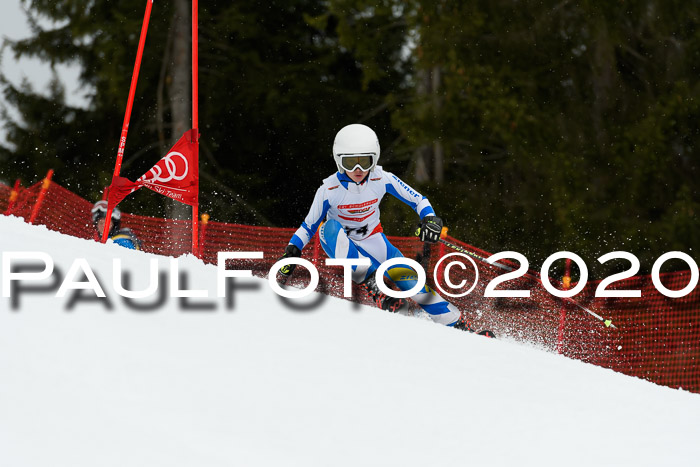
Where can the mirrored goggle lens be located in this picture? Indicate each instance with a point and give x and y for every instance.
(351, 162)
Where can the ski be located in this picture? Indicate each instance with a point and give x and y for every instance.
(464, 325)
(487, 333)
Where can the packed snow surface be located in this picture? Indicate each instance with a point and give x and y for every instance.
(251, 380)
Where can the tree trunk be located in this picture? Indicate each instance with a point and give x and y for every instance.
(438, 153)
(605, 81)
(179, 84)
(422, 153)
(428, 91)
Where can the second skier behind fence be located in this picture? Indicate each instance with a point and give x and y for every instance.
(123, 237)
(348, 202)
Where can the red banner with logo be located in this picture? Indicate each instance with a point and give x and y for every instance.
(176, 175)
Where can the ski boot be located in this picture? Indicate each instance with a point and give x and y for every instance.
(464, 325)
(382, 300)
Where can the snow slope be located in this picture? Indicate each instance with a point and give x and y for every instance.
(262, 383)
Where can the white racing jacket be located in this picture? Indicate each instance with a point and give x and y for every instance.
(355, 206)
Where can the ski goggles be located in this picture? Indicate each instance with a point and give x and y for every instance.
(350, 162)
(99, 210)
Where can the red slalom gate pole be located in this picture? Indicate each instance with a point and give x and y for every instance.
(129, 106)
(195, 119)
(44, 187)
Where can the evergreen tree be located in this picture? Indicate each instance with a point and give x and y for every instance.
(533, 126)
(80, 144)
(564, 125)
(273, 91)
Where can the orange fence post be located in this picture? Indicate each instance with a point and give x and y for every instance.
(566, 282)
(202, 233)
(44, 187)
(13, 197)
(441, 253)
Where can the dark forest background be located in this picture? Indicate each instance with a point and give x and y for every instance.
(533, 126)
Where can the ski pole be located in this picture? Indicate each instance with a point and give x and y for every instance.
(479, 257)
(606, 322)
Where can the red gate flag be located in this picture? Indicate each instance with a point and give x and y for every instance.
(176, 175)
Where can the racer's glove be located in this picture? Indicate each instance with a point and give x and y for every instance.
(292, 251)
(430, 229)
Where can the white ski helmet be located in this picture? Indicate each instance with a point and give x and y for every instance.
(356, 140)
(99, 211)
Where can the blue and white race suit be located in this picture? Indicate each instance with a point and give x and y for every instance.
(352, 230)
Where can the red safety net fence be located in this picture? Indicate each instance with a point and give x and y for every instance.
(657, 338)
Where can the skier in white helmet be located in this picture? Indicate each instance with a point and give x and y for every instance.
(123, 237)
(348, 202)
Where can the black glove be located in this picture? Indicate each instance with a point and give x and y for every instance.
(430, 229)
(292, 251)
